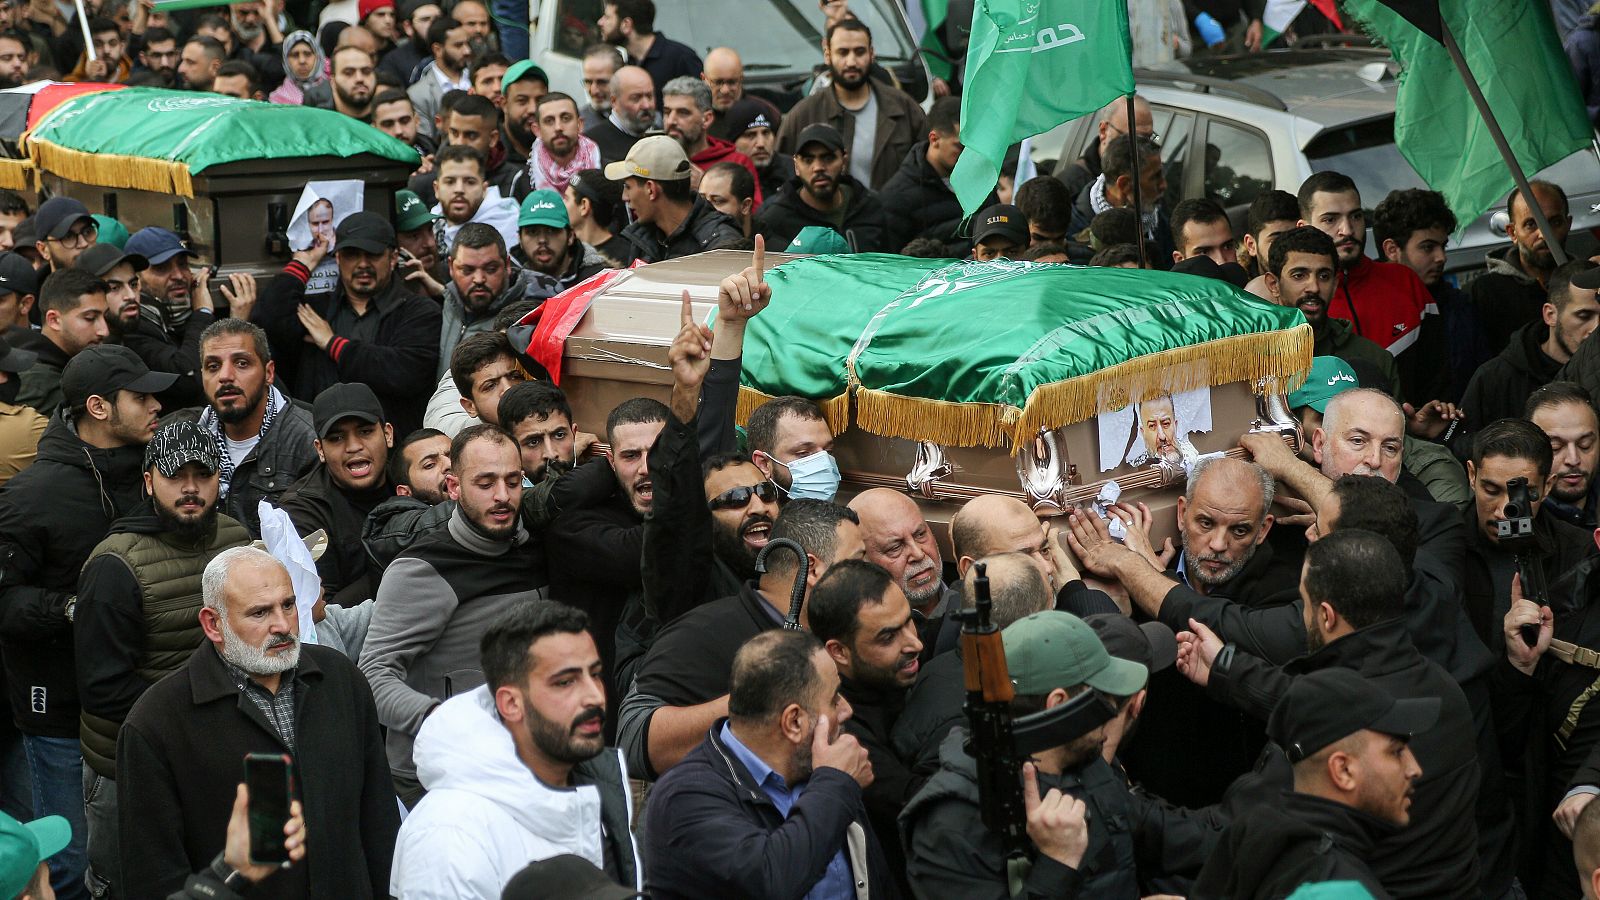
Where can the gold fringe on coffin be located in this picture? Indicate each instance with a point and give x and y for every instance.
(16, 174)
(836, 410)
(1285, 355)
(112, 170)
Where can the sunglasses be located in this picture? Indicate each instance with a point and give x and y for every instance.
(739, 497)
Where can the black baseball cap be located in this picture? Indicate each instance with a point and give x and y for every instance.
(1151, 644)
(102, 258)
(17, 275)
(366, 231)
(57, 215)
(565, 877)
(1004, 220)
(178, 443)
(15, 359)
(103, 369)
(343, 401)
(821, 133)
(26, 234)
(1329, 705)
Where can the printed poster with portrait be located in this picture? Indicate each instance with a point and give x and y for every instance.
(322, 206)
(1158, 429)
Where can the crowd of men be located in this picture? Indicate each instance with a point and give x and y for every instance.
(514, 654)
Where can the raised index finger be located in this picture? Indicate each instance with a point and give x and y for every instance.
(1030, 788)
(758, 262)
(687, 316)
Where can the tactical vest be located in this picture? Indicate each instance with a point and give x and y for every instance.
(168, 574)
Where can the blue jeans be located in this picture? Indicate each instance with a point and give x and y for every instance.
(56, 765)
(16, 782)
(512, 17)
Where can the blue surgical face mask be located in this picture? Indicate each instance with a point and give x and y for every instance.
(814, 477)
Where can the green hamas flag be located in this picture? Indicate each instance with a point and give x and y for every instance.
(153, 139)
(981, 354)
(934, 13)
(1436, 126)
(1031, 65)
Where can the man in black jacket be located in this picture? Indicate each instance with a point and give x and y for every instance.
(252, 687)
(129, 327)
(1133, 839)
(595, 547)
(670, 219)
(1537, 351)
(353, 443)
(1354, 586)
(369, 328)
(864, 622)
(1501, 452)
(918, 200)
(73, 306)
(52, 514)
(732, 820)
(681, 686)
(1114, 190)
(265, 441)
(1566, 412)
(1077, 174)
(137, 618)
(823, 192)
(753, 128)
(1354, 776)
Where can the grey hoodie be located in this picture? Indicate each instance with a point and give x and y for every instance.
(458, 323)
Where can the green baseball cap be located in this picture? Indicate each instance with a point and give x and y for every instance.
(1330, 376)
(410, 213)
(818, 239)
(111, 231)
(543, 208)
(1053, 649)
(24, 846)
(519, 70)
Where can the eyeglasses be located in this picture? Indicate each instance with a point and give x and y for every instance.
(1154, 135)
(739, 497)
(726, 82)
(80, 237)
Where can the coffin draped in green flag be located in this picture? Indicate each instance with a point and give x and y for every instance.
(1031, 65)
(1512, 49)
(985, 354)
(154, 139)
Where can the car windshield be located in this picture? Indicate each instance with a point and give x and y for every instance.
(774, 35)
(1366, 152)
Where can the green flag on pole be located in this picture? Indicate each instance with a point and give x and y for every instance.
(1031, 65)
(1436, 126)
(934, 13)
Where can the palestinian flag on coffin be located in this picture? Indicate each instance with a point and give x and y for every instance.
(984, 354)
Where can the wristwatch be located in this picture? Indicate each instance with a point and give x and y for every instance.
(231, 878)
(70, 610)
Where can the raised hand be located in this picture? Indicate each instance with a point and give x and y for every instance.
(312, 256)
(1137, 518)
(1091, 542)
(1058, 823)
(236, 849)
(743, 296)
(690, 354)
(844, 753)
(1526, 612)
(1432, 419)
(318, 331)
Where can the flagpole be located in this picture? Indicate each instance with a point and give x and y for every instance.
(1556, 250)
(1138, 176)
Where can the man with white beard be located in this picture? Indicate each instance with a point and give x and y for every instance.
(252, 688)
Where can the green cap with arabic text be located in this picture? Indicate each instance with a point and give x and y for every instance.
(543, 207)
(410, 213)
(1330, 376)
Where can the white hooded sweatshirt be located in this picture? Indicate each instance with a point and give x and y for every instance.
(485, 816)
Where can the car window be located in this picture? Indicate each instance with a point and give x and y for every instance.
(1366, 152)
(1238, 164)
(1174, 128)
(772, 35)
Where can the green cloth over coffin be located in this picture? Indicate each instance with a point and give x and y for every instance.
(985, 354)
(820, 306)
(154, 139)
